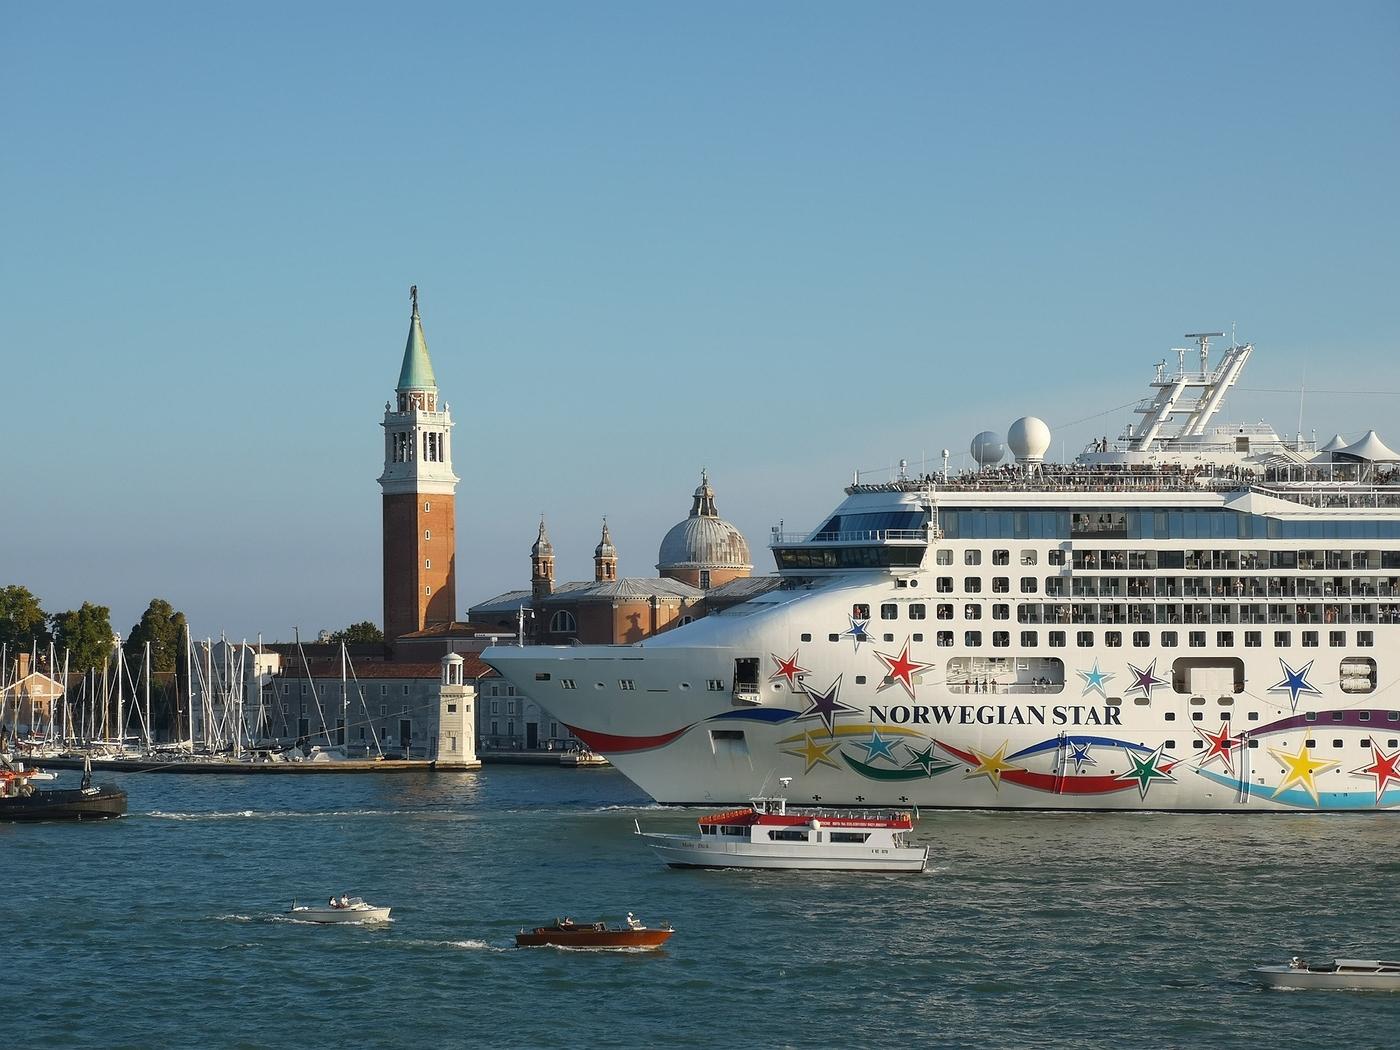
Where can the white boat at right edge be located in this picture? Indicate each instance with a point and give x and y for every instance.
(1195, 616)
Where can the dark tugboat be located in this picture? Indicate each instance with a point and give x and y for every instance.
(21, 800)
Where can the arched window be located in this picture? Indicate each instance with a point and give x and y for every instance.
(686, 619)
(563, 622)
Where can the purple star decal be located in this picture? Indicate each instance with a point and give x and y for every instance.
(825, 705)
(1145, 679)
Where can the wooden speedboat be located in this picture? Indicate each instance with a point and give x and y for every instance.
(21, 800)
(769, 834)
(565, 933)
(1371, 975)
(352, 911)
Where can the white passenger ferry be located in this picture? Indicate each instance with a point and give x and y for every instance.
(1196, 616)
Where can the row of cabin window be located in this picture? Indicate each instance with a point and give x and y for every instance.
(1167, 640)
(1233, 560)
(1188, 524)
(972, 556)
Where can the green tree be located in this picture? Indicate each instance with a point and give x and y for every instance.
(164, 628)
(23, 624)
(364, 631)
(86, 634)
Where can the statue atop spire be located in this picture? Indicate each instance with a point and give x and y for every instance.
(417, 371)
(413, 295)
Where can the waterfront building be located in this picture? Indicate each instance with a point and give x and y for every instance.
(419, 495)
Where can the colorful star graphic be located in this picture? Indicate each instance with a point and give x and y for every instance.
(1295, 682)
(1383, 767)
(825, 705)
(1300, 768)
(1095, 680)
(991, 766)
(787, 669)
(1079, 755)
(1219, 745)
(1145, 679)
(924, 759)
(1148, 768)
(858, 631)
(814, 754)
(901, 669)
(877, 746)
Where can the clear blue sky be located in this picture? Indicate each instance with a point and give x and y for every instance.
(783, 240)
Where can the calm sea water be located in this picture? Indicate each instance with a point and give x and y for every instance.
(162, 929)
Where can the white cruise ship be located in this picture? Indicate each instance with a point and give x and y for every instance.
(1196, 616)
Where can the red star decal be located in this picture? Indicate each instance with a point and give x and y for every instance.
(1383, 768)
(1219, 744)
(787, 669)
(901, 669)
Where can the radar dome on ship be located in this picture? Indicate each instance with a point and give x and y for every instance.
(987, 448)
(1029, 439)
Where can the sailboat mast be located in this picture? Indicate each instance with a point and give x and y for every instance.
(189, 684)
(148, 696)
(344, 703)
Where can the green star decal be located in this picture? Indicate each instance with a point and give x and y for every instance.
(924, 760)
(1148, 768)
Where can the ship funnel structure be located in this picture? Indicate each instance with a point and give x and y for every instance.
(1029, 439)
(987, 449)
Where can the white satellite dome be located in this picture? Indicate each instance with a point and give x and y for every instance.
(987, 448)
(1029, 439)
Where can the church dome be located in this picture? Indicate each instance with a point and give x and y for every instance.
(704, 540)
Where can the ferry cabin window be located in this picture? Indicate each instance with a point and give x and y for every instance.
(1283, 639)
(1028, 557)
(1057, 639)
(849, 836)
(972, 612)
(1028, 584)
(972, 584)
(1196, 639)
(1001, 639)
(1001, 557)
(945, 585)
(889, 611)
(1030, 639)
(918, 637)
(972, 557)
(945, 638)
(1336, 639)
(1224, 639)
(1365, 639)
(1001, 585)
(972, 639)
(1084, 639)
(1168, 639)
(1001, 612)
(806, 637)
(1309, 639)
(1113, 639)
(918, 611)
(1142, 639)
(788, 835)
(1055, 558)
(1253, 639)
(943, 557)
(734, 830)
(860, 612)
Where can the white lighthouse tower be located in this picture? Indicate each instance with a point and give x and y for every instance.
(456, 735)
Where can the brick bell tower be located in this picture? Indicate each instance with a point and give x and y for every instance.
(420, 517)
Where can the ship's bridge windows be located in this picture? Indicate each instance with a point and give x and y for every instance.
(1001, 557)
(918, 611)
(869, 526)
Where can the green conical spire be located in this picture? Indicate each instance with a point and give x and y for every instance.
(417, 371)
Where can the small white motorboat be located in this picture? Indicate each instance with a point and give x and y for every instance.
(354, 909)
(1370, 975)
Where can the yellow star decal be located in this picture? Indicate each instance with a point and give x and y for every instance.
(1300, 769)
(991, 766)
(814, 754)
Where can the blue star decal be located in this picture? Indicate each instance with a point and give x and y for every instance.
(858, 632)
(876, 746)
(1079, 755)
(1095, 680)
(1295, 683)
(825, 704)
